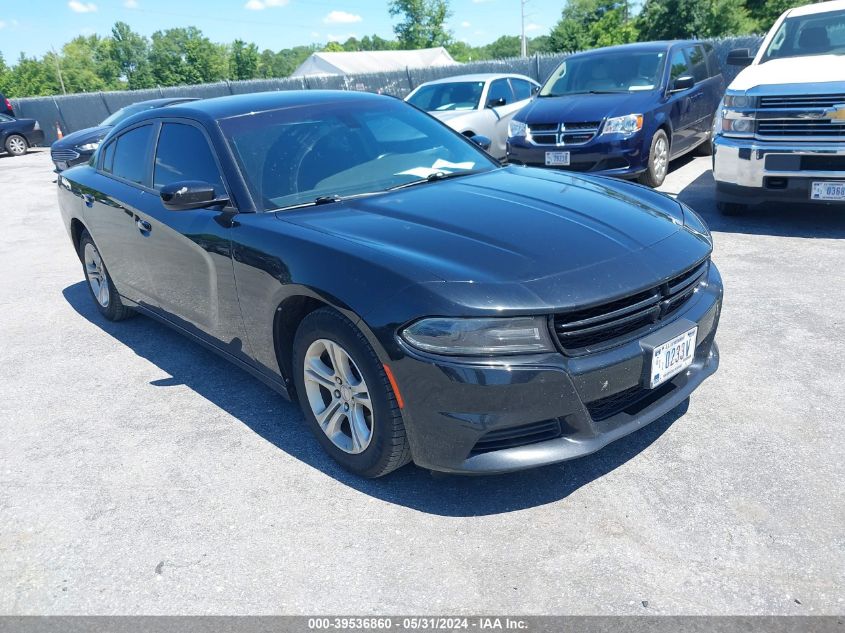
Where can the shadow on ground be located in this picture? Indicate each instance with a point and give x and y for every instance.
(779, 219)
(248, 400)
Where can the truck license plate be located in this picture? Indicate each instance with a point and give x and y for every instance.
(827, 190)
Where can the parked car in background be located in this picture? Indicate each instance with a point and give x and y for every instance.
(77, 148)
(418, 299)
(622, 111)
(18, 135)
(481, 104)
(6, 106)
(780, 132)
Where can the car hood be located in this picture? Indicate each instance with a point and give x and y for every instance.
(795, 71)
(448, 116)
(585, 107)
(81, 137)
(517, 224)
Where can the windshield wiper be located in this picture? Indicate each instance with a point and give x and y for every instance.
(330, 199)
(438, 175)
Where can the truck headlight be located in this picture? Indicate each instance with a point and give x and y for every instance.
(481, 336)
(738, 101)
(628, 124)
(517, 128)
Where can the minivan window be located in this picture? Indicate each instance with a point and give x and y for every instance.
(698, 62)
(820, 34)
(130, 155)
(183, 154)
(678, 66)
(606, 72)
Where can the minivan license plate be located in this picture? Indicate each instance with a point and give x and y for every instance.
(672, 357)
(827, 190)
(557, 159)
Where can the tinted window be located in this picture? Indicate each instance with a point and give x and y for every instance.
(500, 89)
(130, 154)
(108, 156)
(698, 63)
(678, 66)
(521, 89)
(184, 154)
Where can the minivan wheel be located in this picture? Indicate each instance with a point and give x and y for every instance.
(16, 145)
(99, 283)
(346, 397)
(658, 161)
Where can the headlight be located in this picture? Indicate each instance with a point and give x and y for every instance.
(474, 337)
(738, 101)
(517, 128)
(627, 124)
(89, 147)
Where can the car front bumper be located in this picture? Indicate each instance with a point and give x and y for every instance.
(453, 407)
(605, 155)
(748, 171)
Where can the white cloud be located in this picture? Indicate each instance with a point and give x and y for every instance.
(340, 38)
(465, 24)
(130, 4)
(532, 27)
(82, 7)
(341, 17)
(260, 5)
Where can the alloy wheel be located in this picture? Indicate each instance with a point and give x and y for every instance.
(338, 396)
(661, 158)
(96, 273)
(17, 145)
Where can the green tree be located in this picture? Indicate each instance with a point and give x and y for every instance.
(680, 19)
(243, 60)
(504, 47)
(130, 52)
(31, 77)
(422, 24)
(333, 47)
(765, 12)
(185, 56)
(5, 76)
(577, 29)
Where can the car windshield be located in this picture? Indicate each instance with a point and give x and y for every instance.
(310, 153)
(125, 113)
(456, 95)
(606, 73)
(820, 34)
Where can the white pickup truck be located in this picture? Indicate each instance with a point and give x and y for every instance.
(779, 133)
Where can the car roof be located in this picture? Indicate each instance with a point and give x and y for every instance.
(237, 105)
(476, 77)
(636, 47)
(163, 101)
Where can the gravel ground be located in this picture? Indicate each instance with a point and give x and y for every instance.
(141, 474)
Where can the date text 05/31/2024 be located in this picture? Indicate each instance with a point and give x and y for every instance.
(417, 624)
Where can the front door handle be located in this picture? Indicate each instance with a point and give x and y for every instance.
(143, 225)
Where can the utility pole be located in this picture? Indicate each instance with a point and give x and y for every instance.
(59, 70)
(524, 47)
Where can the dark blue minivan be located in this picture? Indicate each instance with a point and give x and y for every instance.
(622, 111)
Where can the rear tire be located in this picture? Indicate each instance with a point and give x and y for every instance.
(16, 145)
(346, 397)
(658, 161)
(731, 208)
(99, 281)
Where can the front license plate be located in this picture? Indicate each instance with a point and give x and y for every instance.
(672, 357)
(825, 190)
(557, 159)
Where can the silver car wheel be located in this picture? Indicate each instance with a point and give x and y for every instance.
(661, 158)
(96, 273)
(338, 396)
(16, 145)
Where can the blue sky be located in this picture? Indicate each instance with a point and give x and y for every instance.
(33, 26)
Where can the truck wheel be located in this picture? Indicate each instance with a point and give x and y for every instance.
(731, 208)
(658, 161)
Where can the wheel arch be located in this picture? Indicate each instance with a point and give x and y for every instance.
(77, 228)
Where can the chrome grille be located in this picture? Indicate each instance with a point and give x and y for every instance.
(819, 117)
(801, 101)
(814, 128)
(563, 134)
(582, 331)
(64, 154)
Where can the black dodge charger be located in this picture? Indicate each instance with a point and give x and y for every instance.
(420, 301)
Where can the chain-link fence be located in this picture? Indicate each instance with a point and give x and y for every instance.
(74, 112)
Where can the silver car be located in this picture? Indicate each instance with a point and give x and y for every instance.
(477, 104)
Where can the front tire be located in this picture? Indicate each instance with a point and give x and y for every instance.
(658, 161)
(16, 145)
(346, 397)
(100, 284)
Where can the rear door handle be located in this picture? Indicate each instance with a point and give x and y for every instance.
(143, 225)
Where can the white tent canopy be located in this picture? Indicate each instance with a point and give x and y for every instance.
(372, 62)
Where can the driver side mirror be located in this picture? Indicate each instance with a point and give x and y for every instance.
(739, 57)
(482, 141)
(683, 83)
(495, 103)
(189, 194)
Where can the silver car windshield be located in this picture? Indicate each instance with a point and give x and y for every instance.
(442, 97)
(821, 34)
(308, 154)
(606, 73)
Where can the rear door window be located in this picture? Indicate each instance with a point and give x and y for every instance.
(521, 89)
(500, 89)
(130, 154)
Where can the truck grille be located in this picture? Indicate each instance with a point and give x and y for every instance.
(801, 101)
(817, 117)
(582, 331)
(64, 154)
(577, 133)
(813, 128)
